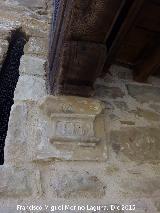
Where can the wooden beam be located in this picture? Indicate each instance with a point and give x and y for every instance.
(77, 48)
(149, 65)
(121, 27)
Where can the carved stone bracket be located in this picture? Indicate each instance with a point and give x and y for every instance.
(76, 129)
(57, 128)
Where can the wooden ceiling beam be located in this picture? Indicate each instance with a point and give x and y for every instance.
(121, 27)
(77, 44)
(149, 65)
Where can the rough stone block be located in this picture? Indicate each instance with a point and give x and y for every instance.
(36, 28)
(118, 72)
(37, 46)
(64, 128)
(144, 94)
(28, 3)
(14, 17)
(7, 24)
(4, 33)
(32, 65)
(142, 186)
(138, 144)
(3, 49)
(105, 92)
(14, 182)
(30, 87)
(75, 184)
(155, 107)
(16, 149)
(121, 105)
(146, 114)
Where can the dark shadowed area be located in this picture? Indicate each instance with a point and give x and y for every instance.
(9, 75)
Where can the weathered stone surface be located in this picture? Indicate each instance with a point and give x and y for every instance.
(144, 94)
(121, 105)
(157, 203)
(14, 17)
(138, 144)
(66, 128)
(16, 142)
(5, 33)
(32, 65)
(6, 24)
(29, 3)
(78, 128)
(147, 114)
(37, 46)
(70, 104)
(155, 107)
(31, 138)
(36, 28)
(3, 49)
(30, 87)
(118, 73)
(148, 187)
(110, 92)
(14, 182)
(74, 184)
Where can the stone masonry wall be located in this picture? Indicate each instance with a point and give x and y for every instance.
(133, 110)
(33, 18)
(102, 151)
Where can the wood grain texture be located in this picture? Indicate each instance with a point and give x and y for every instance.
(136, 39)
(92, 19)
(77, 44)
